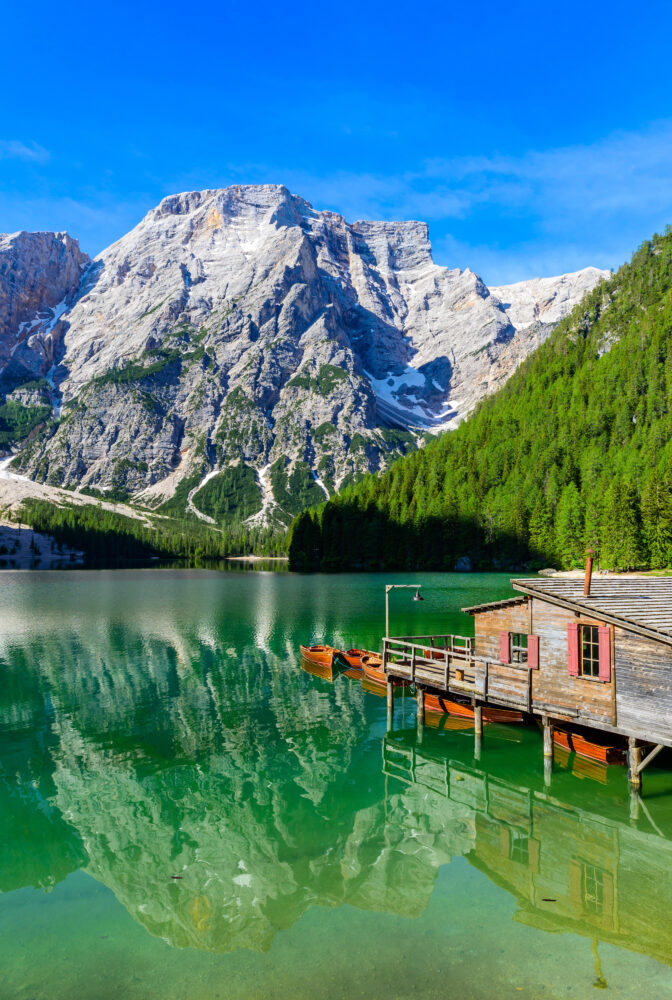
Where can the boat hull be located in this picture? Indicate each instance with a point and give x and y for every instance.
(437, 703)
(373, 670)
(353, 657)
(322, 656)
(575, 743)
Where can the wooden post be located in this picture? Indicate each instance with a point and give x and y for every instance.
(635, 799)
(548, 737)
(634, 760)
(420, 719)
(478, 720)
(548, 771)
(390, 703)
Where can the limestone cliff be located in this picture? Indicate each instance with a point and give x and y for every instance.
(241, 355)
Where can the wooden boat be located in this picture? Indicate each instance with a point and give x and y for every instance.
(353, 657)
(372, 665)
(604, 753)
(437, 703)
(320, 655)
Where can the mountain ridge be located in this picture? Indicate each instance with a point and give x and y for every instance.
(239, 351)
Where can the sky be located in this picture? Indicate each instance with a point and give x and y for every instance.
(533, 138)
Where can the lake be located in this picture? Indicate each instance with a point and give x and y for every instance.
(186, 813)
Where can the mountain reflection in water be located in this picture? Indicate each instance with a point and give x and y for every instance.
(221, 792)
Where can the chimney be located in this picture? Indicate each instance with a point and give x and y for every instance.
(589, 572)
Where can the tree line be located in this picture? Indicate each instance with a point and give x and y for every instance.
(110, 537)
(574, 451)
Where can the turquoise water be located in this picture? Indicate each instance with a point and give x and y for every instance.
(186, 813)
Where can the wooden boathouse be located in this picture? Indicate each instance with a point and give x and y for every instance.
(594, 653)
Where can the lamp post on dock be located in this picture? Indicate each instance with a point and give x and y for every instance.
(398, 586)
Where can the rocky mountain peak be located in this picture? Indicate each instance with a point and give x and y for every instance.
(240, 352)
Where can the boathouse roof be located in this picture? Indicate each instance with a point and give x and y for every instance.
(493, 605)
(638, 604)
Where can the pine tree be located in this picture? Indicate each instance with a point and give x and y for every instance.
(569, 527)
(657, 521)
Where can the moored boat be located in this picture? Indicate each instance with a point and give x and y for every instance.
(437, 703)
(320, 655)
(372, 665)
(353, 657)
(604, 753)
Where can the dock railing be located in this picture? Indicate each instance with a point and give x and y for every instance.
(440, 654)
(449, 663)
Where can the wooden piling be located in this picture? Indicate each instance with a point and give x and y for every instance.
(478, 745)
(548, 771)
(390, 703)
(634, 761)
(548, 737)
(420, 697)
(478, 720)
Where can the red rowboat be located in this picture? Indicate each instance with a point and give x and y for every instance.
(321, 655)
(353, 657)
(372, 665)
(574, 742)
(437, 703)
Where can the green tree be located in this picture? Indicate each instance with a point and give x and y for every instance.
(569, 527)
(657, 521)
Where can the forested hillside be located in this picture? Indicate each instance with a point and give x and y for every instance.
(574, 450)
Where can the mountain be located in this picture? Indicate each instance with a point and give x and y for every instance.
(239, 355)
(575, 450)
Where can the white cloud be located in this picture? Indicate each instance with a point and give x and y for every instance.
(516, 216)
(14, 149)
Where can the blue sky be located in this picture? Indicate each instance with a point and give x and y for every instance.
(533, 138)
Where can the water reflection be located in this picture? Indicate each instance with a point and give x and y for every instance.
(569, 858)
(177, 752)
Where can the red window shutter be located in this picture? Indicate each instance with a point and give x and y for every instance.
(573, 649)
(533, 652)
(604, 646)
(504, 647)
(576, 879)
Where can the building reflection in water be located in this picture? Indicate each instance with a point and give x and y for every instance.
(570, 867)
(221, 792)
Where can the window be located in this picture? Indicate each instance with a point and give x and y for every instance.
(519, 848)
(590, 651)
(593, 889)
(518, 647)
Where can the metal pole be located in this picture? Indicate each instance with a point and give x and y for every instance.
(387, 611)
(396, 586)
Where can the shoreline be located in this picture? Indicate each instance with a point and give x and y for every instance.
(257, 558)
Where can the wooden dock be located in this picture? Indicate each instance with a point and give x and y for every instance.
(597, 655)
